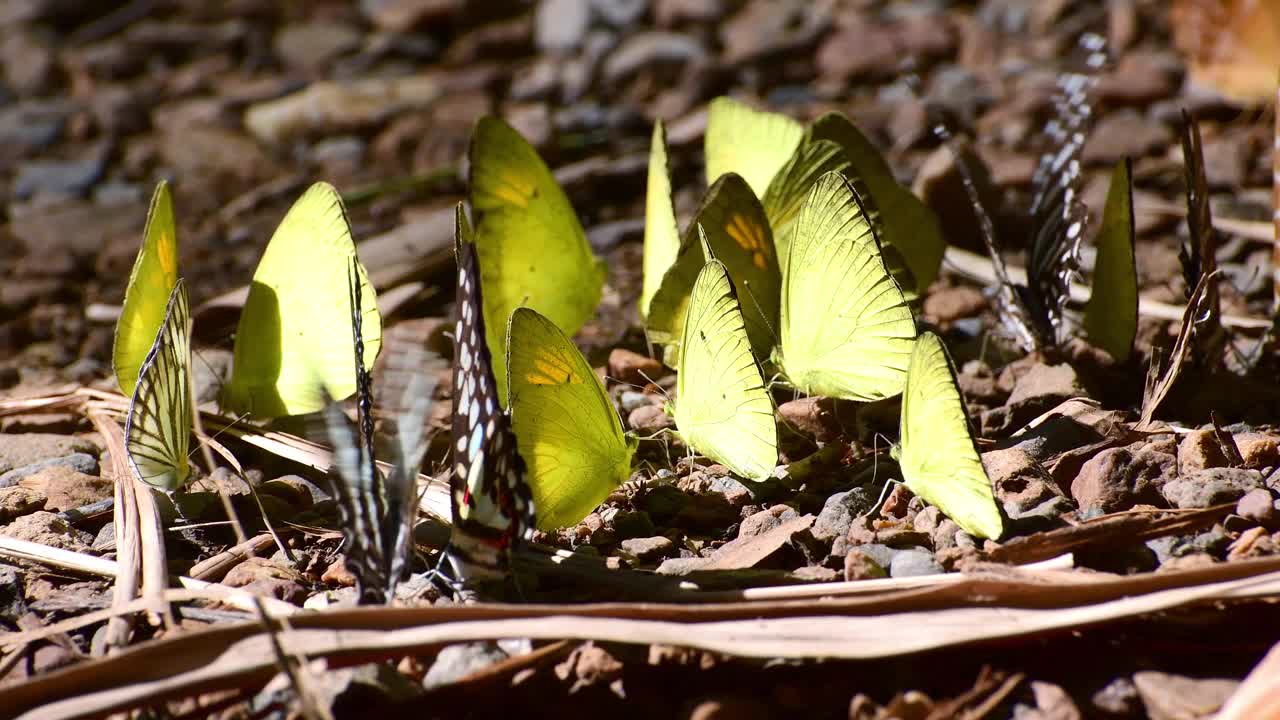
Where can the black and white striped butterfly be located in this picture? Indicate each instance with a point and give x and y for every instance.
(1033, 313)
(492, 504)
(157, 428)
(378, 512)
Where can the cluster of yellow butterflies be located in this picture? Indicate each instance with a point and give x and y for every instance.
(804, 255)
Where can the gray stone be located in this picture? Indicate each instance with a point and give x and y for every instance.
(105, 541)
(560, 25)
(80, 462)
(630, 400)
(535, 81)
(30, 127)
(620, 13)
(22, 449)
(839, 512)
(881, 554)
(912, 563)
(12, 602)
(457, 661)
(313, 45)
(646, 49)
(1119, 698)
(60, 177)
(647, 549)
(1211, 486)
(1172, 697)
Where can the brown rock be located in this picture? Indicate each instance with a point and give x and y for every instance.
(766, 27)
(1257, 505)
(859, 566)
(949, 304)
(399, 16)
(650, 419)
(1124, 133)
(204, 152)
(1042, 383)
(766, 520)
(1141, 78)
(589, 665)
(1254, 542)
(812, 416)
(1200, 449)
(28, 61)
(313, 45)
(338, 574)
(1020, 483)
(18, 501)
(668, 13)
(861, 49)
(926, 35)
(1258, 450)
(1119, 478)
(896, 504)
(1227, 159)
(978, 385)
(648, 549)
(1052, 703)
(260, 575)
(1175, 697)
(67, 488)
(47, 528)
(20, 450)
(632, 367)
(1190, 561)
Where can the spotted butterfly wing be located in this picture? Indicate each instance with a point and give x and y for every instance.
(492, 504)
(157, 428)
(377, 512)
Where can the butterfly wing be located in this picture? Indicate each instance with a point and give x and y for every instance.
(533, 251)
(911, 228)
(847, 330)
(1199, 256)
(1058, 215)
(492, 504)
(377, 513)
(790, 187)
(936, 452)
(1111, 316)
(155, 272)
(157, 429)
(737, 231)
(661, 233)
(752, 143)
(566, 426)
(722, 409)
(288, 358)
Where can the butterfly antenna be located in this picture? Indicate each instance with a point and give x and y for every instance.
(773, 334)
(661, 390)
